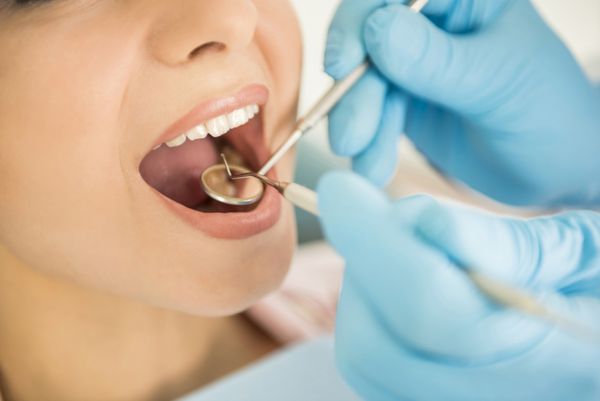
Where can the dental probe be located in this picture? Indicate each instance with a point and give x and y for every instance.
(500, 293)
(325, 104)
(298, 195)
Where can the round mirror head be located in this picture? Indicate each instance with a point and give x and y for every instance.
(217, 184)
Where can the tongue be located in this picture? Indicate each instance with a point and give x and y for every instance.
(175, 172)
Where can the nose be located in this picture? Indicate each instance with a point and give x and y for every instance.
(187, 29)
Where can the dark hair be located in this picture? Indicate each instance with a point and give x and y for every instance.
(25, 2)
(16, 4)
(8, 3)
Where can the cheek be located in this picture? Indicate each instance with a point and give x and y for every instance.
(58, 140)
(231, 285)
(278, 36)
(64, 99)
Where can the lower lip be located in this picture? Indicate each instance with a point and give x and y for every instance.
(232, 225)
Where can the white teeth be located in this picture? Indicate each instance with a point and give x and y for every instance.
(177, 141)
(199, 132)
(250, 111)
(217, 126)
(237, 118)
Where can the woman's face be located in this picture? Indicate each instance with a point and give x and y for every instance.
(88, 88)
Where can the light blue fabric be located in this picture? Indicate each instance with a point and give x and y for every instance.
(412, 326)
(483, 88)
(305, 372)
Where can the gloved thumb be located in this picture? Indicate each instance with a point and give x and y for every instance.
(542, 253)
(416, 55)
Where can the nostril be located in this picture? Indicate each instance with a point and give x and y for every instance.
(206, 48)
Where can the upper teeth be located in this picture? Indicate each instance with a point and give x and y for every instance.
(217, 126)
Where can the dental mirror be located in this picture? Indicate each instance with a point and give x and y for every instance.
(217, 184)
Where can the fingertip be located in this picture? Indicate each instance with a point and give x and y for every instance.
(455, 227)
(470, 238)
(411, 51)
(395, 33)
(343, 53)
(354, 122)
(379, 22)
(341, 138)
(409, 210)
(439, 227)
(350, 130)
(435, 223)
(376, 167)
(378, 163)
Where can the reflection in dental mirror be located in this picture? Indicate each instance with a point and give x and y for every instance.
(217, 184)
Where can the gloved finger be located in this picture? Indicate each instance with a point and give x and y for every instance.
(416, 55)
(429, 302)
(378, 162)
(345, 47)
(379, 366)
(462, 16)
(354, 121)
(558, 252)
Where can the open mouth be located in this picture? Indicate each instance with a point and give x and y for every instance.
(173, 168)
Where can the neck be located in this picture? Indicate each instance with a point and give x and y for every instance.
(73, 341)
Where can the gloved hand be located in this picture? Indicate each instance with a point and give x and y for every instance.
(484, 89)
(411, 326)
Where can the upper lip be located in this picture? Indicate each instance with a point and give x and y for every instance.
(251, 94)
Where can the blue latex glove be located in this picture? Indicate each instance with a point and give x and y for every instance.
(411, 326)
(483, 88)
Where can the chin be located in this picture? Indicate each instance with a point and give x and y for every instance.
(241, 272)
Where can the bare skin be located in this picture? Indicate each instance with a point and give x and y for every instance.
(54, 347)
(104, 294)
